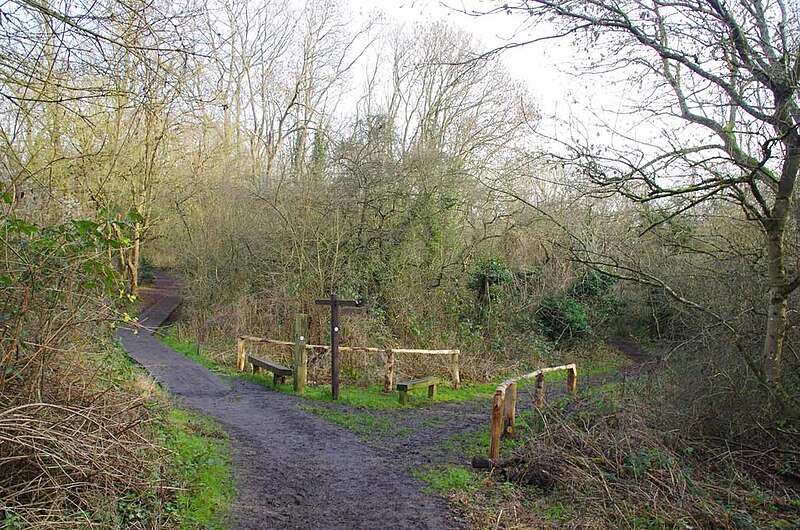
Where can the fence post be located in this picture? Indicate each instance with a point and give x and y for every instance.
(497, 425)
(539, 395)
(454, 366)
(389, 375)
(510, 412)
(300, 372)
(240, 354)
(572, 379)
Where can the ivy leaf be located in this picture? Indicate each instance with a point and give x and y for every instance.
(18, 225)
(85, 227)
(134, 216)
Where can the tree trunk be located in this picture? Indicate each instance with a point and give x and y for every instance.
(772, 354)
(133, 260)
(773, 340)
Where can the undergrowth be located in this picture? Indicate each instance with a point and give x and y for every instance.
(113, 455)
(604, 460)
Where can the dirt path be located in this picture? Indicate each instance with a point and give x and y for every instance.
(293, 469)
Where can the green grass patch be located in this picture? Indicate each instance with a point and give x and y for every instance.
(362, 423)
(468, 443)
(372, 397)
(447, 480)
(200, 460)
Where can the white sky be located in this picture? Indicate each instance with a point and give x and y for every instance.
(544, 67)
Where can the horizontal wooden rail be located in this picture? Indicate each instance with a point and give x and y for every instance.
(504, 403)
(454, 355)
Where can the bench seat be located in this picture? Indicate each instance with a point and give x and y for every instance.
(279, 371)
(404, 386)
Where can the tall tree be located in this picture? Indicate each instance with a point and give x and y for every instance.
(721, 76)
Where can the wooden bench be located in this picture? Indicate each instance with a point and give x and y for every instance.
(405, 386)
(279, 371)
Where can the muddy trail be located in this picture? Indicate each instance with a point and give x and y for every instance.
(296, 470)
(293, 469)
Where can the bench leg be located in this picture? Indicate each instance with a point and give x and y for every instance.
(274, 379)
(255, 369)
(431, 391)
(403, 397)
(283, 379)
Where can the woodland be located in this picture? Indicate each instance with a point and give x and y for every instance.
(268, 153)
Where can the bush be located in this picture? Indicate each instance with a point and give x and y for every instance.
(563, 317)
(487, 277)
(592, 284)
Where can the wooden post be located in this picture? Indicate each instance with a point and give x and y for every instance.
(335, 304)
(388, 377)
(497, 425)
(539, 395)
(510, 411)
(240, 354)
(334, 347)
(572, 379)
(455, 369)
(300, 373)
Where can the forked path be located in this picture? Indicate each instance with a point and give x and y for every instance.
(293, 469)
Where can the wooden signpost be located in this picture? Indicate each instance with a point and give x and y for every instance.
(337, 306)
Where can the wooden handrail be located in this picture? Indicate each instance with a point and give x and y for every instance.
(455, 371)
(504, 402)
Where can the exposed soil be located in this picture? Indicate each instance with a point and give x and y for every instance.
(642, 361)
(296, 470)
(293, 469)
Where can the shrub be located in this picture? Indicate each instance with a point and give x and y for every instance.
(592, 284)
(563, 317)
(488, 275)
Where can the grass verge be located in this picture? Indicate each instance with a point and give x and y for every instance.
(199, 459)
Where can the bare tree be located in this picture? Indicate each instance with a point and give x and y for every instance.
(722, 78)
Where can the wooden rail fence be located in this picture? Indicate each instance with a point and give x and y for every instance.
(504, 403)
(389, 356)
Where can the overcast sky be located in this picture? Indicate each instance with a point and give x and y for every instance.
(530, 64)
(545, 67)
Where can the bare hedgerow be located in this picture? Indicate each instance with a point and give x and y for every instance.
(621, 470)
(63, 466)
